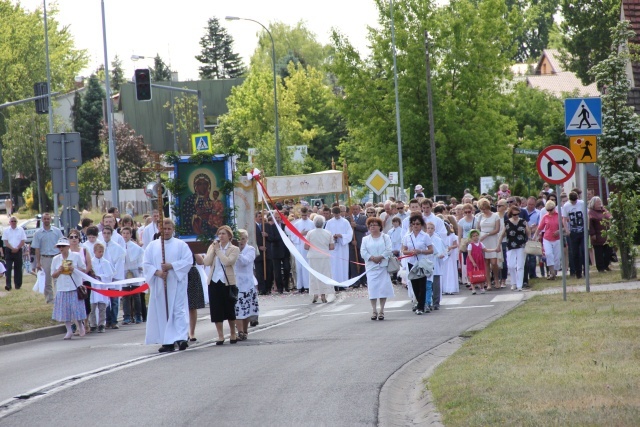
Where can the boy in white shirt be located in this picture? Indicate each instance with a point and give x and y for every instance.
(103, 270)
(134, 255)
(116, 255)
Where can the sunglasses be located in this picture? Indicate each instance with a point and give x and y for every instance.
(510, 201)
(501, 206)
(467, 211)
(74, 237)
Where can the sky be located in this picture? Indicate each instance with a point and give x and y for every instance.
(173, 28)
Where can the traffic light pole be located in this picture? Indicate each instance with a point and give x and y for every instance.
(192, 92)
(22, 101)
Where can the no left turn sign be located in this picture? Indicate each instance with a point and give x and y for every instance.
(556, 164)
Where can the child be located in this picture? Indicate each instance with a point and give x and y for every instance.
(504, 192)
(396, 241)
(475, 259)
(103, 269)
(439, 257)
(92, 238)
(449, 279)
(134, 255)
(26, 259)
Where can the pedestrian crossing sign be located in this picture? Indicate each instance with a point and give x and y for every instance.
(584, 148)
(583, 116)
(201, 142)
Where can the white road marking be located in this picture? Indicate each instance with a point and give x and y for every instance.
(508, 297)
(396, 304)
(470, 306)
(452, 300)
(338, 308)
(274, 313)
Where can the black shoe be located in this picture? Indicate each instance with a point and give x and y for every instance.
(254, 323)
(74, 328)
(437, 307)
(220, 342)
(182, 345)
(8, 288)
(167, 348)
(18, 287)
(233, 341)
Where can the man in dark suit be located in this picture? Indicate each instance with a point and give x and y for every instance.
(358, 222)
(281, 258)
(263, 257)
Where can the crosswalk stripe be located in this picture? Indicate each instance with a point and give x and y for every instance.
(338, 308)
(508, 297)
(397, 304)
(274, 313)
(452, 300)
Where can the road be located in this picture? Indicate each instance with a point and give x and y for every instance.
(305, 364)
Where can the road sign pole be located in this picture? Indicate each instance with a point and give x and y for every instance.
(561, 234)
(585, 229)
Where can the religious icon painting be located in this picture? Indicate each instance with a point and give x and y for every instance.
(201, 206)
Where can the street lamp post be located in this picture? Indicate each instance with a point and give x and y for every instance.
(275, 87)
(113, 164)
(395, 85)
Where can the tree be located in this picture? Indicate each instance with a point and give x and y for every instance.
(160, 72)
(88, 120)
(586, 35)
(132, 154)
(535, 23)
(619, 149)
(185, 111)
(117, 74)
(218, 57)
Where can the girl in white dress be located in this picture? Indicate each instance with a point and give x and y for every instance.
(450, 284)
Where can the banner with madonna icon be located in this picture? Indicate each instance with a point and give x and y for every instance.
(201, 204)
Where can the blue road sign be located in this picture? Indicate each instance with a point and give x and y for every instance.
(583, 116)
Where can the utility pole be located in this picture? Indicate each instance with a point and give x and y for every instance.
(432, 133)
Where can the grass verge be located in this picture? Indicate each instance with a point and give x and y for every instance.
(548, 362)
(23, 310)
(595, 278)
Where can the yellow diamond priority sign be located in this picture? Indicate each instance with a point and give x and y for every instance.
(377, 182)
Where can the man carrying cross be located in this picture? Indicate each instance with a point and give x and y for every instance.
(167, 260)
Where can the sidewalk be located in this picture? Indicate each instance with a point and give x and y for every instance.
(404, 400)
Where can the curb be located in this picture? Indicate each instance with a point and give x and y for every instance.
(32, 335)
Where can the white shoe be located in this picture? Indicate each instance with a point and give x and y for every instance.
(513, 288)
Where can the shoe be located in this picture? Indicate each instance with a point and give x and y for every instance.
(301, 291)
(323, 299)
(101, 329)
(115, 327)
(220, 342)
(513, 288)
(93, 329)
(473, 292)
(381, 316)
(419, 312)
(182, 345)
(193, 339)
(520, 290)
(254, 323)
(68, 336)
(127, 322)
(8, 288)
(426, 310)
(315, 299)
(167, 348)
(374, 316)
(82, 332)
(233, 341)
(437, 307)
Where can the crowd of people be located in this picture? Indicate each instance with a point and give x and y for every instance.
(442, 247)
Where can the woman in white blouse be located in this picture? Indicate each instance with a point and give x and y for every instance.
(67, 308)
(375, 251)
(418, 245)
(247, 308)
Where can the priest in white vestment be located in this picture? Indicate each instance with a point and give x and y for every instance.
(178, 261)
(342, 233)
(303, 225)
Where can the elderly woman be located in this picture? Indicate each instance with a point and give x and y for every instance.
(67, 308)
(376, 250)
(502, 242)
(602, 251)
(319, 258)
(247, 309)
(489, 225)
(551, 242)
(417, 244)
(222, 257)
(74, 246)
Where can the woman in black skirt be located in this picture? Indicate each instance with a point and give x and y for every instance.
(221, 257)
(195, 295)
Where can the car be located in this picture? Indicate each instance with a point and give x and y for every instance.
(30, 226)
(3, 198)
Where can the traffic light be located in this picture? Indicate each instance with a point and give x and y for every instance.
(143, 84)
(42, 104)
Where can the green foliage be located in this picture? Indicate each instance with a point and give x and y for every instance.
(185, 110)
(160, 72)
(625, 210)
(586, 36)
(132, 154)
(218, 58)
(117, 74)
(88, 121)
(534, 24)
(93, 175)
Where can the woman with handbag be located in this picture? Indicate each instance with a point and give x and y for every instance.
(223, 292)
(465, 225)
(247, 309)
(551, 240)
(68, 307)
(376, 251)
(417, 244)
(516, 231)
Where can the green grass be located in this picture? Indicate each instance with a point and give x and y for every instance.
(24, 310)
(549, 362)
(595, 278)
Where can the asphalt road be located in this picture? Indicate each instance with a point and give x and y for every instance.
(306, 364)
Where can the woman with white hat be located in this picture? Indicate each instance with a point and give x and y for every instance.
(419, 191)
(67, 307)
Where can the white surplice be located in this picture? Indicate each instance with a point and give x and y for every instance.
(159, 330)
(340, 255)
(302, 279)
